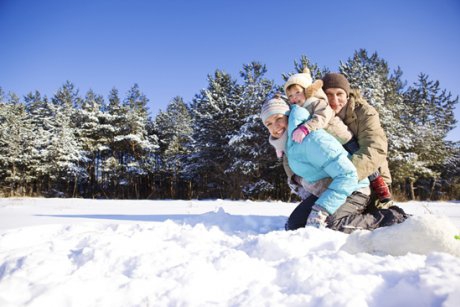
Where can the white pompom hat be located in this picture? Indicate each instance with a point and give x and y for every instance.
(303, 79)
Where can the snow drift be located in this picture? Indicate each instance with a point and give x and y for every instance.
(220, 253)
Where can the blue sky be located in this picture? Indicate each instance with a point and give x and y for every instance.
(169, 47)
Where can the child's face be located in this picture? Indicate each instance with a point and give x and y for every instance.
(296, 94)
(276, 125)
(337, 98)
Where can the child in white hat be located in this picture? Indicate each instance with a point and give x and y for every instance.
(301, 91)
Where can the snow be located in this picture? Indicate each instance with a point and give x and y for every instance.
(75, 252)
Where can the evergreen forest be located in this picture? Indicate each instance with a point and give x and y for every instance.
(215, 146)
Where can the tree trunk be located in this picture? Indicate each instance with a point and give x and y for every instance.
(410, 188)
(189, 189)
(75, 187)
(432, 187)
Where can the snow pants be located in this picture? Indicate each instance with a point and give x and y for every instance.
(352, 215)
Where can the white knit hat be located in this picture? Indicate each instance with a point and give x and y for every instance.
(303, 79)
(276, 105)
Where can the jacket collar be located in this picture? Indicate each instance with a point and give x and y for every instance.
(350, 115)
(280, 143)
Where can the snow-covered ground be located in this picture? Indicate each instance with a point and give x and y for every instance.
(73, 252)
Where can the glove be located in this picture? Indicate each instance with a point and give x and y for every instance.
(297, 189)
(300, 133)
(381, 189)
(317, 217)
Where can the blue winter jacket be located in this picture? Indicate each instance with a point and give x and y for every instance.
(320, 156)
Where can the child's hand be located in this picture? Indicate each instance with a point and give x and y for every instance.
(279, 153)
(300, 133)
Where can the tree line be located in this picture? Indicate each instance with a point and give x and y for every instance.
(214, 146)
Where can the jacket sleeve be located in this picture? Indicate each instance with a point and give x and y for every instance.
(339, 130)
(321, 111)
(373, 144)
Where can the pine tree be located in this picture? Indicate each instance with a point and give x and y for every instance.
(215, 113)
(111, 166)
(429, 105)
(252, 157)
(299, 65)
(416, 120)
(174, 129)
(136, 100)
(94, 133)
(451, 173)
(429, 114)
(67, 96)
(16, 139)
(2, 95)
(65, 149)
(42, 114)
(131, 143)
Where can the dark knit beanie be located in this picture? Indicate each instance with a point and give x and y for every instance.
(335, 80)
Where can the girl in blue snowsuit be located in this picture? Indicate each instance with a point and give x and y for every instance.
(321, 156)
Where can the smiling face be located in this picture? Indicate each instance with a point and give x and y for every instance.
(296, 94)
(337, 98)
(276, 125)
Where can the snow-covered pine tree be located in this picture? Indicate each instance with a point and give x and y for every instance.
(94, 133)
(114, 105)
(174, 129)
(416, 120)
(132, 143)
(67, 96)
(3, 148)
(42, 114)
(254, 163)
(136, 100)
(299, 65)
(103, 147)
(15, 146)
(450, 175)
(215, 113)
(427, 104)
(429, 113)
(65, 149)
(112, 163)
(151, 160)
